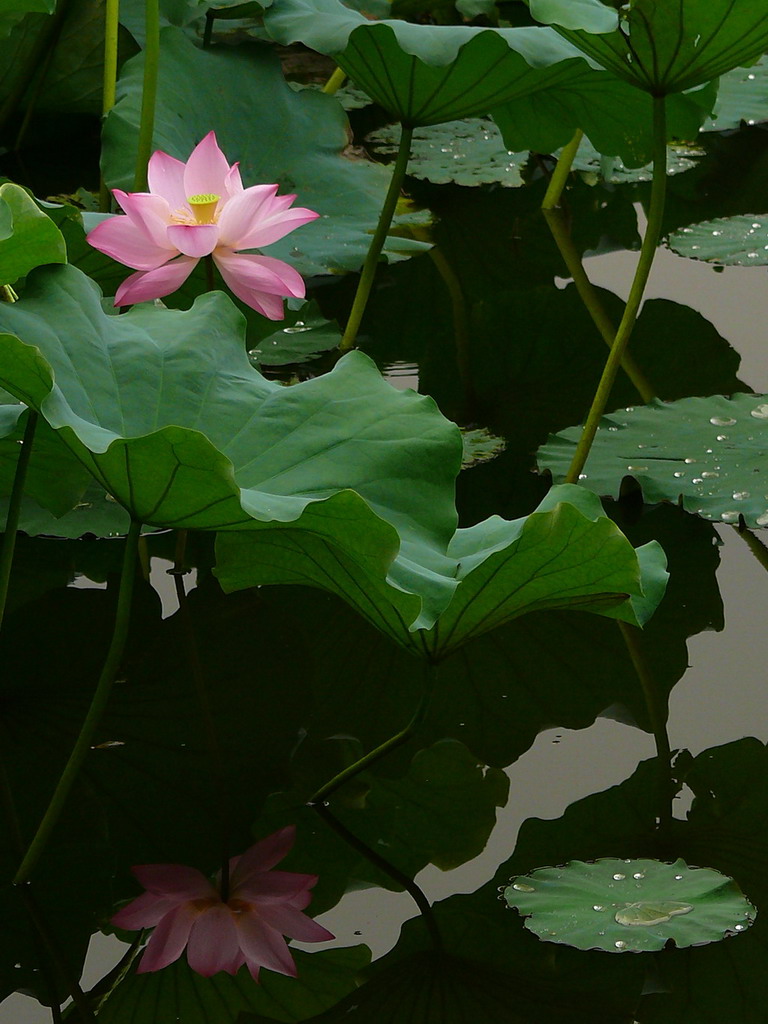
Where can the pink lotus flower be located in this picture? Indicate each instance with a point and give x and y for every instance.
(199, 209)
(185, 909)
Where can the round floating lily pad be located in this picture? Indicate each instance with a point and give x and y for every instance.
(708, 454)
(730, 241)
(630, 906)
(468, 152)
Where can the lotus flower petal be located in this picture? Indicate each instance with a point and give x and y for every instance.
(165, 175)
(154, 284)
(207, 169)
(163, 233)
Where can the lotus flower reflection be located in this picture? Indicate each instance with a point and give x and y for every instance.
(196, 209)
(186, 910)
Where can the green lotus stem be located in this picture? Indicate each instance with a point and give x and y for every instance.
(556, 221)
(95, 711)
(111, 14)
(384, 748)
(656, 712)
(628, 320)
(377, 242)
(335, 82)
(201, 692)
(7, 294)
(14, 509)
(149, 94)
(394, 873)
(562, 170)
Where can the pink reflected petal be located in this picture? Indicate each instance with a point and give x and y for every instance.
(294, 924)
(145, 911)
(194, 239)
(154, 284)
(259, 281)
(150, 213)
(121, 239)
(213, 944)
(273, 886)
(301, 900)
(168, 940)
(174, 880)
(263, 945)
(262, 855)
(207, 169)
(165, 175)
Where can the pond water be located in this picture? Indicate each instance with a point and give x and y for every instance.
(537, 747)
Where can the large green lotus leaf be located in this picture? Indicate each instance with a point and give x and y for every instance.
(168, 414)
(28, 238)
(663, 47)
(616, 118)
(426, 988)
(178, 994)
(728, 241)
(630, 905)
(56, 481)
(566, 554)
(708, 454)
(226, 88)
(426, 74)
